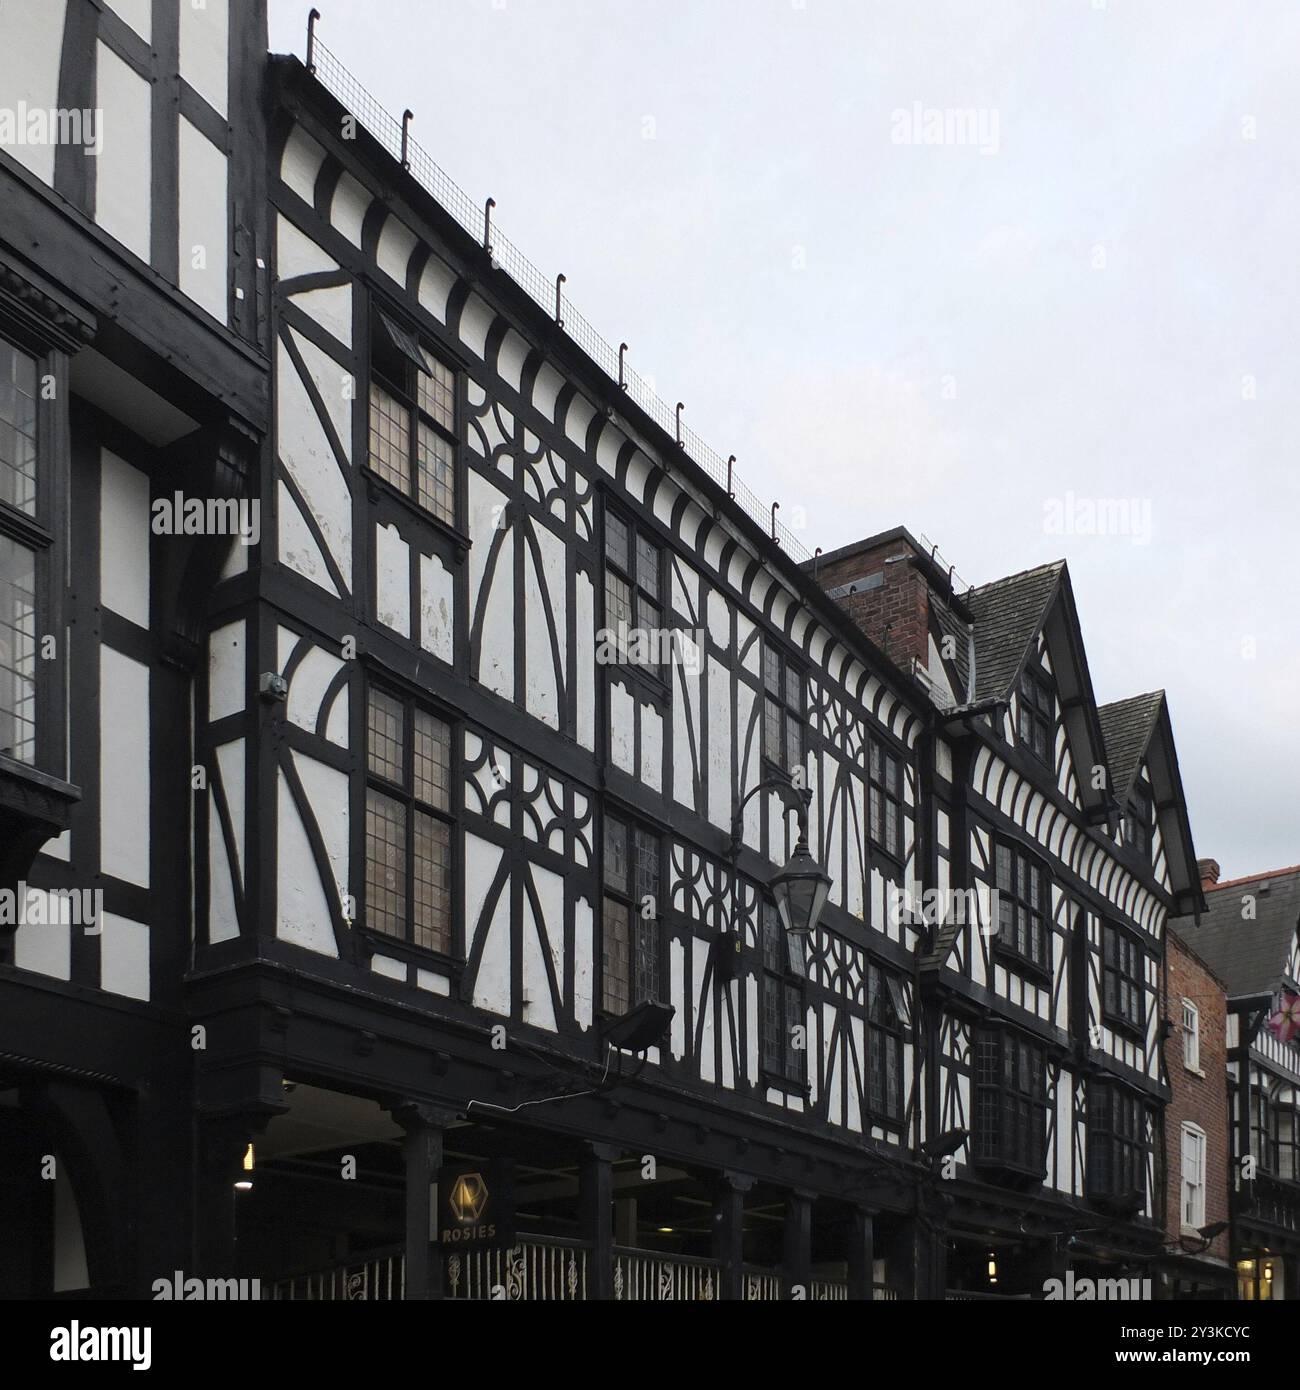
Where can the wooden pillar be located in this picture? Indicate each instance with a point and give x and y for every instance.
(423, 1127)
(861, 1255)
(796, 1260)
(729, 1232)
(596, 1213)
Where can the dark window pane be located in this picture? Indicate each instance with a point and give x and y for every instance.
(17, 429)
(385, 864)
(647, 566)
(616, 864)
(772, 1024)
(17, 651)
(647, 959)
(387, 721)
(616, 543)
(436, 392)
(794, 690)
(772, 671)
(616, 956)
(437, 460)
(390, 438)
(432, 876)
(432, 761)
(647, 870)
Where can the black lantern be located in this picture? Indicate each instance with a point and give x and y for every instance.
(800, 890)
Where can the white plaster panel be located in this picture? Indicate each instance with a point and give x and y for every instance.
(124, 519)
(204, 213)
(204, 31)
(31, 50)
(124, 957)
(124, 767)
(123, 174)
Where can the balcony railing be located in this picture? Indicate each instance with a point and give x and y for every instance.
(643, 1275)
(544, 1269)
(548, 1271)
(387, 130)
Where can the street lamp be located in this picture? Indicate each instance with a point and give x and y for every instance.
(802, 886)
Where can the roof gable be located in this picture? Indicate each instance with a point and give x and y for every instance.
(1009, 616)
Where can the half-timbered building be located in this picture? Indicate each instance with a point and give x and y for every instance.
(434, 719)
(1059, 847)
(1248, 937)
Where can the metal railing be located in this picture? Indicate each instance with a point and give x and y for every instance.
(645, 1276)
(550, 1271)
(376, 1278)
(761, 1284)
(547, 292)
(828, 1291)
(882, 1293)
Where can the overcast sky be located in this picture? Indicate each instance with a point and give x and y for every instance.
(1086, 292)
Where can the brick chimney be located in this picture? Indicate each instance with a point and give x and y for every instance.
(886, 584)
(1209, 871)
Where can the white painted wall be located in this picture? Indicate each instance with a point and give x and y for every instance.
(31, 48)
(124, 752)
(124, 957)
(124, 537)
(204, 36)
(124, 168)
(204, 216)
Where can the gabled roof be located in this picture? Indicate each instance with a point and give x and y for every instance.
(1008, 615)
(1126, 729)
(1250, 957)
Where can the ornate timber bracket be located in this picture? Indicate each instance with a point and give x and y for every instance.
(212, 470)
(34, 808)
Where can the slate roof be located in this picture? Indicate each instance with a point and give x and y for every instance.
(1007, 614)
(1126, 727)
(1249, 957)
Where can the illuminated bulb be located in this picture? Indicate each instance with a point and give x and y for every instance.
(244, 1184)
(248, 1159)
(993, 1267)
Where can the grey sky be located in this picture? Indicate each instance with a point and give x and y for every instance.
(1103, 305)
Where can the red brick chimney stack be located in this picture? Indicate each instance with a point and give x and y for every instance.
(1209, 871)
(884, 592)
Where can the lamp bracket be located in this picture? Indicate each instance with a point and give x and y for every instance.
(797, 799)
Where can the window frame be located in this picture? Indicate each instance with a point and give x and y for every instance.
(639, 594)
(405, 793)
(886, 1034)
(1198, 1189)
(38, 533)
(1038, 916)
(1123, 1152)
(1284, 1155)
(1191, 1036)
(1032, 713)
(628, 896)
(789, 715)
(783, 973)
(1018, 1148)
(879, 793)
(1130, 949)
(407, 394)
(1139, 819)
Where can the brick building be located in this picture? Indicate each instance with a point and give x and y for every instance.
(1196, 1127)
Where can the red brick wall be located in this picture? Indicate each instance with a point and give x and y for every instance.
(1200, 1099)
(896, 616)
